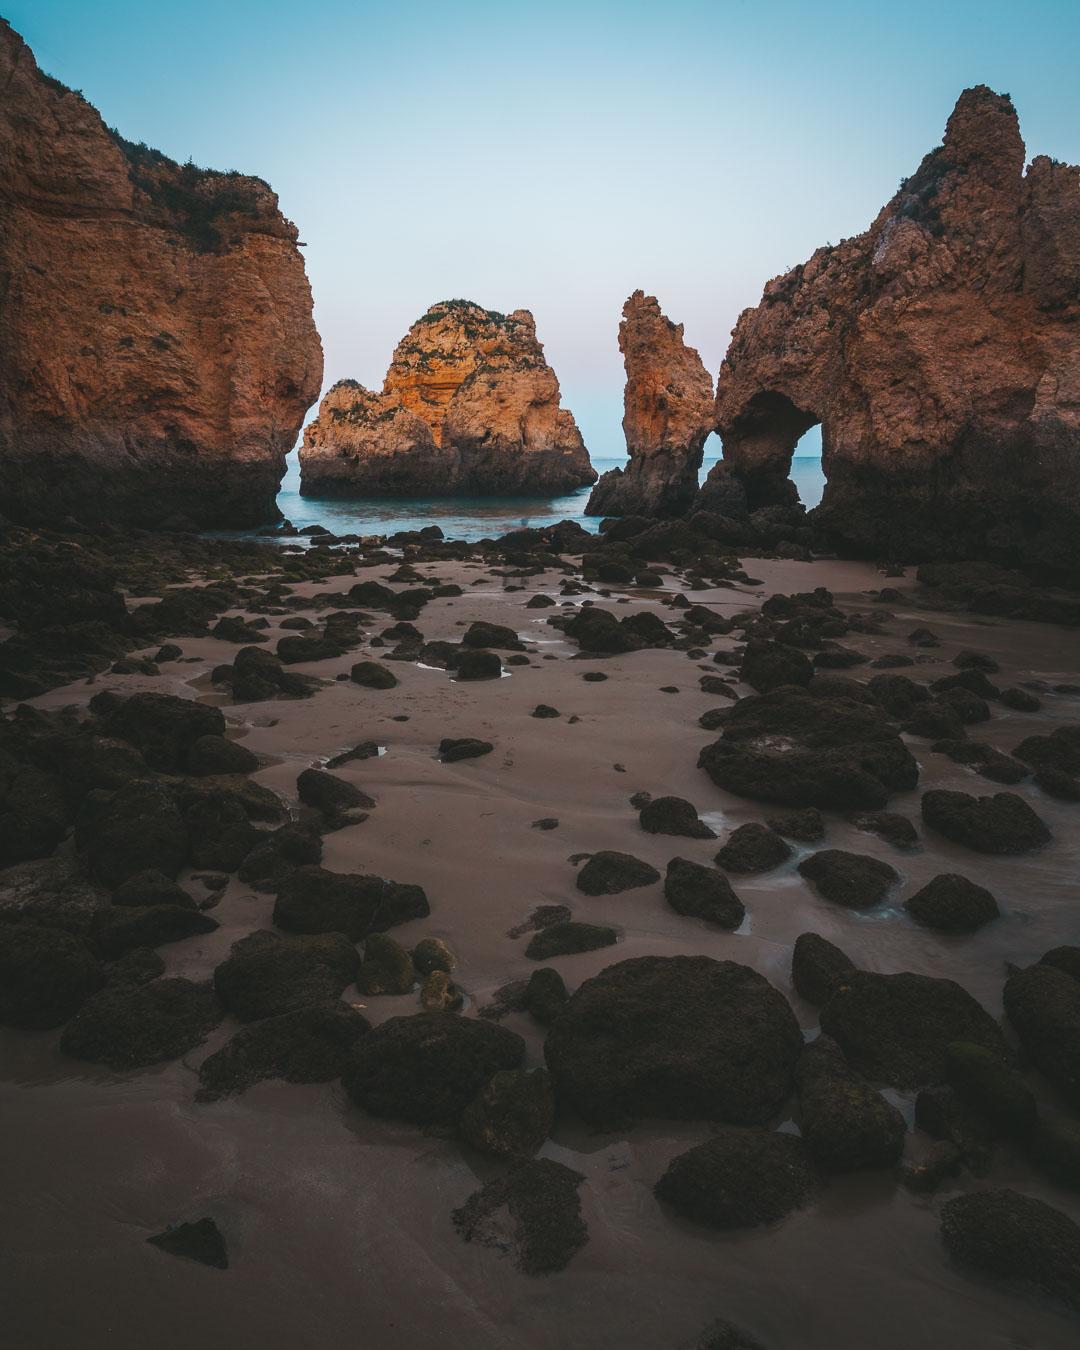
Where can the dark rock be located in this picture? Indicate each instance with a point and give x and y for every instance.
(45, 976)
(432, 954)
(310, 1045)
(739, 1179)
(119, 929)
(701, 892)
(1064, 958)
(265, 974)
(216, 754)
(482, 634)
(426, 1069)
(807, 827)
(895, 1028)
(511, 1115)
(1043, 1004)
(1001, 824)
(673, 815)
(162, 726)
(372, 675)
(846, 1124)
(608, 873)
(540, 1198)
(544, 710)
(564, 939)
(753, 848)
(439, 993)
(339, 802)
(894, 829)
(952, 904)
(721, 1335)
(984, 759)
(545, 995)
(128, 1026)
(851, 879)
(467, 747)
(1004, 1235)
(136, 828)
(680, 1037)
(770, 665)
(1054, 1148)
(990, 1086)
(314, 900)
(478, 665)
(818, 968)
(1020, 700)
(387, 967)
(200, 1241)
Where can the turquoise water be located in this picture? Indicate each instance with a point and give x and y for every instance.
(471, 518)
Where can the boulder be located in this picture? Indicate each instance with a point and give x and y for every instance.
(753, 848)
(1001, 824)
(130, 1026)
(850, 879)
(609, 873)
(511, 1115)
(701, 892)
(952, 904)
(265, 974)
(846, 1124)
(739, 1178)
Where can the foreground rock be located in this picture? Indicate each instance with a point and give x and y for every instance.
(702, 893)
(969, 454)
(200, 1241)
(667, 415)
(1043, 1004)
(1002, 824)
(45, 976)
(680, 1037)
(895, 1029)
(1008, 1236)
(846, 1124)
(311, 1045)
(266, 974)
(428, 1068)
(540, 1199)
(469, 405)
(854, 880)
(159, 352)
(511, 1115)
(131, 1026)
(739, 1179)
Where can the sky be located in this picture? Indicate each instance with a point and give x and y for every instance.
(557, 156)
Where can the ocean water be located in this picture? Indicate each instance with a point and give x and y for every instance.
(473, 518)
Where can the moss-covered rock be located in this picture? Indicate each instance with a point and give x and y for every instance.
(432, 954)
(1043, 1004)
(512, 1114)
(609, 873)
(739, 1178)
(427, 1068)
(266, 974)
(673, 815)
(564, 939)
(128, 1026)
(311, 1045)
(846, 1124)
(1008, 1236)
(679, 1037)
(314, 900)
(45, 975)
(952, 904)
(818, 967)
(752, 848)
(851, 879)
(991, 1086)
(136, 828)
(1001, 824)
(540, 1199)
(387, 967)
(545, 995)
(200, 1241)
(701, 892)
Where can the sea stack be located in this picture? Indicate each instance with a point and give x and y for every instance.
(157, 349)
(667, 414)
(940, 351)
(469, 406)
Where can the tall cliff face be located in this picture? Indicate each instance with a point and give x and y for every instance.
(469, 405)
(157, 350)
(667, 414)
(940, 351)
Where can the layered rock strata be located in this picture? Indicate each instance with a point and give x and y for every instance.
(469, 405)
(940, 351)
(667, 414)
(157, 349)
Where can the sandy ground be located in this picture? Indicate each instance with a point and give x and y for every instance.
(339, 1225)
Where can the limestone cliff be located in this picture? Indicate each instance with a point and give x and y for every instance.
(667, 414)
(940, 351)
(469, 405)
(157, 350)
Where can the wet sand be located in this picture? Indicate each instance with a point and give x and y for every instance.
(338, 1224)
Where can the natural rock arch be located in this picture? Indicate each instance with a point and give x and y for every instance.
(759, 442)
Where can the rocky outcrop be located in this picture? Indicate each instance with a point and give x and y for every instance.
(469, 405)
(157, 350)
(940, 351)
(667, 414)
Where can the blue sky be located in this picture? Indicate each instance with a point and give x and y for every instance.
(557, 156)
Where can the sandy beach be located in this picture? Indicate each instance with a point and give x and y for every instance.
(339, 1224)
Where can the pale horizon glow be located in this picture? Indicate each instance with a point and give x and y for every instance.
(556, 158)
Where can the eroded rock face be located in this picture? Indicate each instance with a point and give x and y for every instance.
(469, 405)
(157, 350)
(939, 351)
(668, 413)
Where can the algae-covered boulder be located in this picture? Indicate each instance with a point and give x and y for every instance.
(539, 1198)
(1043, 1004)
(135, 828)
(952, 904)
(128, 1026)
(387, 967)
(739, 1178)
(895, 1028)
(701, 892)
(753, 847)
(609, 873)
(266, 974)
(680, 1037)
(1001, 824)
(1012, 1237)
(311, 1045)
(426, 1069)
(200, 1241)
(846, 1124)
(988, 1084)
(314, 900)
(673, 815)
(565, 939)
(818, 967)
(512, 1114)
(121, 928)
(851, 879)
(45, 975)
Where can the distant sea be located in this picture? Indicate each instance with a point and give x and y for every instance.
(471, 518)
